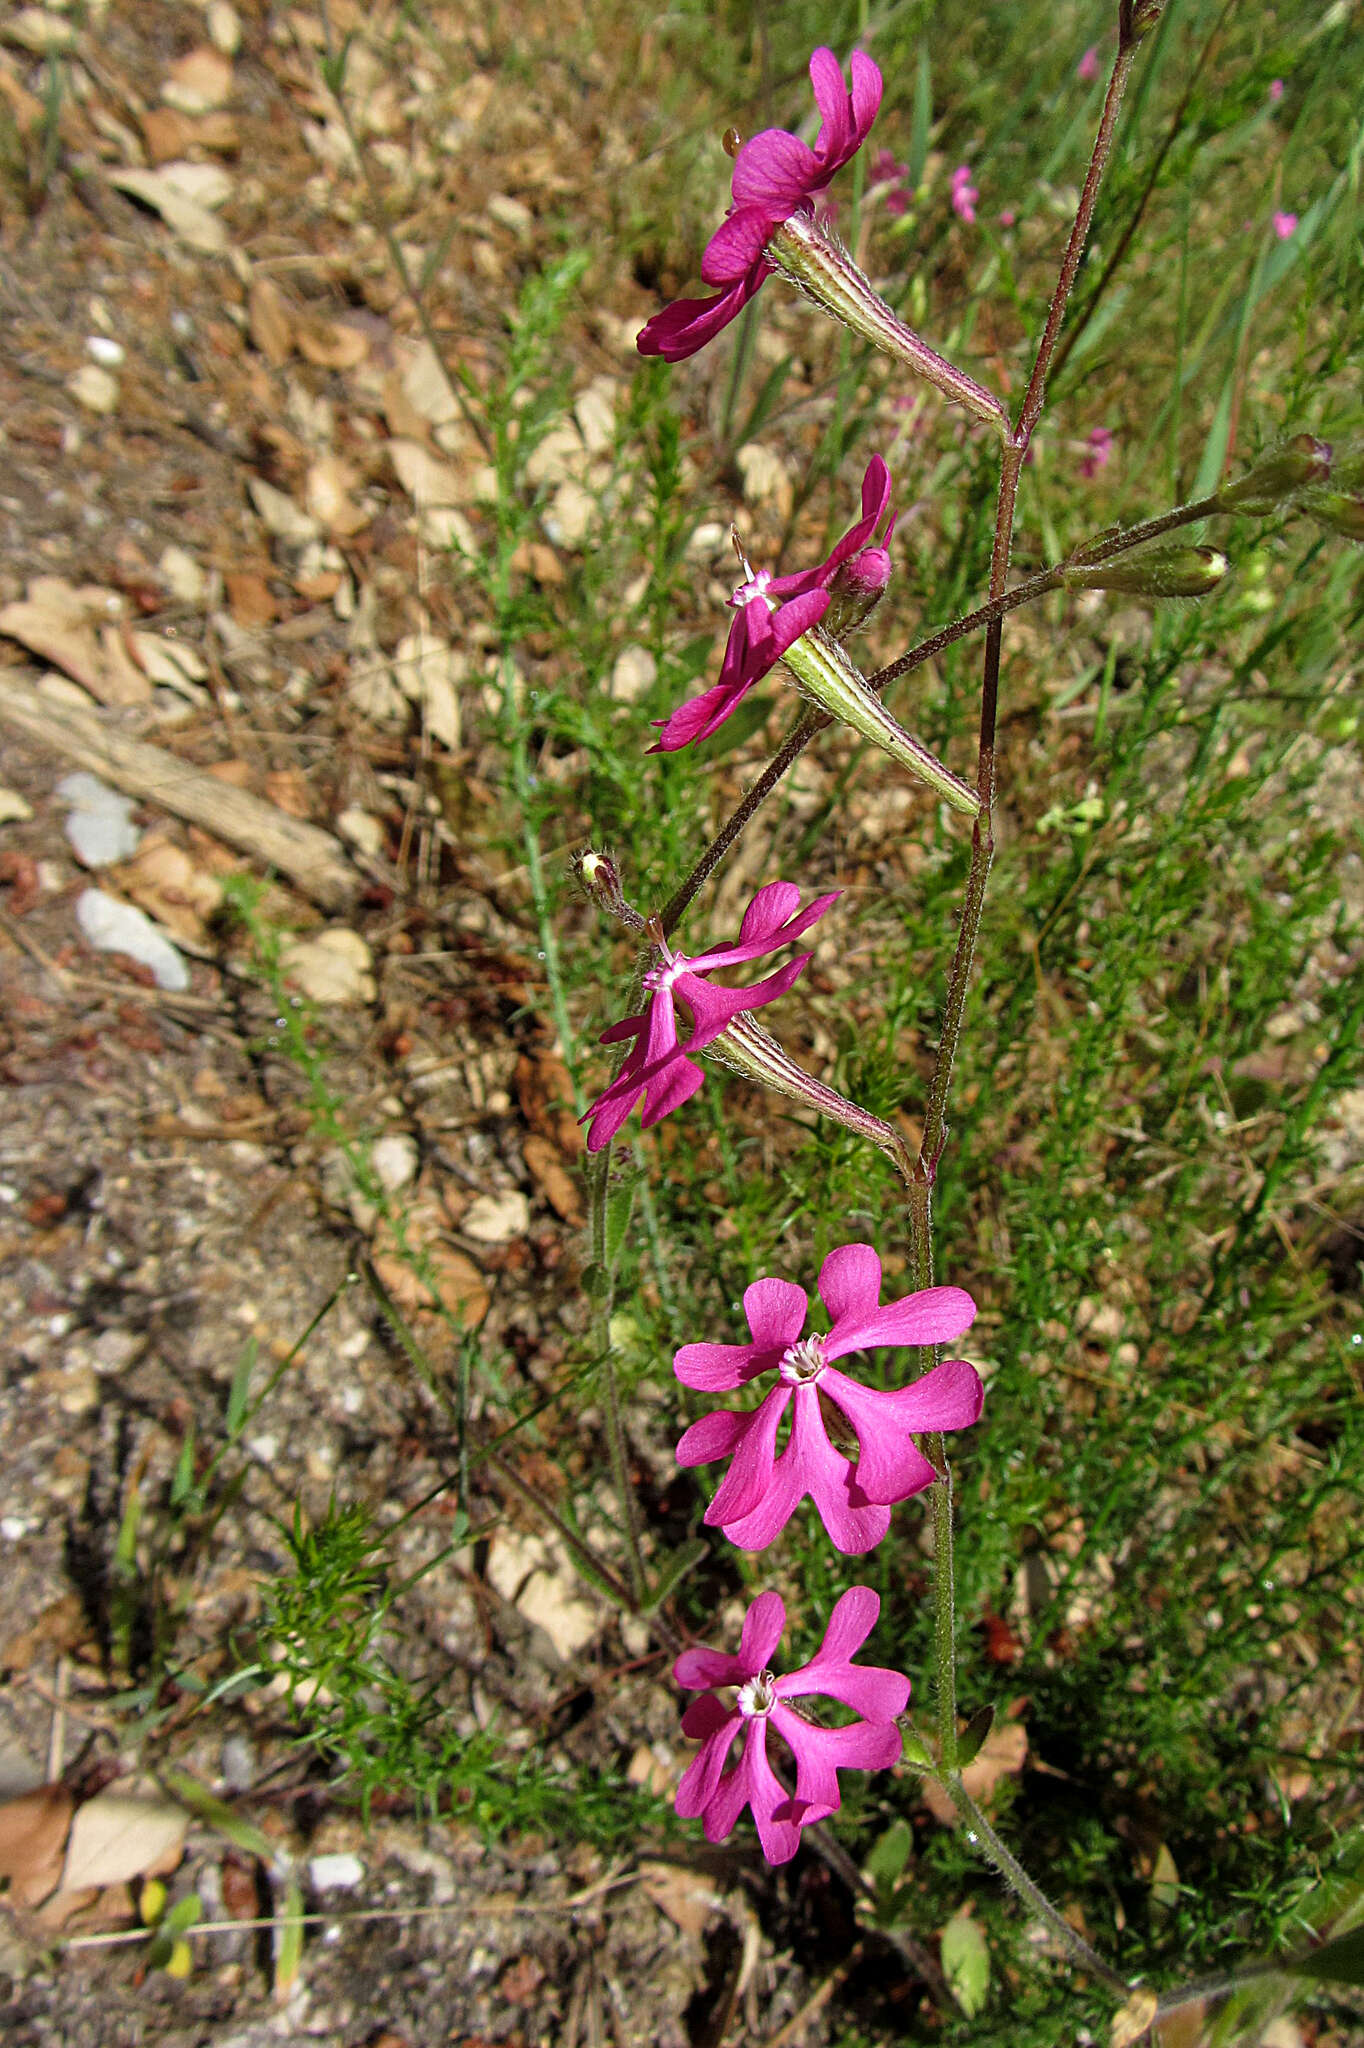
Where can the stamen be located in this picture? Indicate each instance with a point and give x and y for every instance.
(758, 1697)
(802, 1363)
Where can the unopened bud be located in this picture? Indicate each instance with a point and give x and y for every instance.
(731, 142)
(1295, 467)
(855, 590)
(1342, 511)
(599, 879)
(1138, 18)
(1159, 572)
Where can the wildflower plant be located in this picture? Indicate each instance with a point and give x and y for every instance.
(857, 1449)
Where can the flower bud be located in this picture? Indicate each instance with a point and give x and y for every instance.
(597, 876)
(1342, 511)
(1301, 462)
(855, 590)
(1158, 572)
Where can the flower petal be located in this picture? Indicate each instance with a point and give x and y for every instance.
(834, 144)
(749, 1479)
(768, 923)
(669, 1089)
(720, 1368)
(774, 172)
(870, 1689)
(775, 1308)
(719, 1726)
(700, 716)
(714, 1436)
(737, 245)
(890, 1466)
(821, 1753)
(714, 1007)
(866, 95)
(935, 1315)
(688, 324)
(763, 1625)
(850, 1283)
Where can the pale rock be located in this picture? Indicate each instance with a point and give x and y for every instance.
(595, 412)
(13, 809)
(224, 27)
(331, 966)
(362, 831)
(427, 388)
(559, 456)
(280, 515)
(121, 1835)
(38, 31)
(198, 82)
(182, 575)
(96, 389)
(427, 670)
(708, 539)
(633, 674)
(510, 213)
(103, 349)
(192, 223)
(765, 477)
(205, 184)
(338, 1872)
(395, 1159)
(326, 490)
(172, 663)
(496, 1219)
(99, 824)
(536, 1575)
(570, 516)
(114, 927)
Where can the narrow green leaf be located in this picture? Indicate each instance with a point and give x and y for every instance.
(889, 1854)
(239, 1391)
(1339, 1962)
(973, 1734)
(966, 1962)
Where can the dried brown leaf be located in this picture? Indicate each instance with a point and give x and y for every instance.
(33, 1832)
(271, 321)
(121, 1835)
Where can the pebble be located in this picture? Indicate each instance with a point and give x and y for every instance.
(113, 927)
(105, 350)
(99, 825)
(496, 1219)
(96, 389)
(13, 809)
(224, 27)
(339, 1872)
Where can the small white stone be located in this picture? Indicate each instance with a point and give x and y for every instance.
(96, 389)
(570, 515)
(113, 927)
(496, 1219)
(182, 575)
(395, 1159)
(13, 809)
(13, 1528)
(336, 1873)
(224, 27)
(362, 831)
(105, 350)
(99, 826)
(331, 966)
(633, 674)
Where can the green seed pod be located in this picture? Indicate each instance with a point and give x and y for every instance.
(1277, 480)
(1158, 572)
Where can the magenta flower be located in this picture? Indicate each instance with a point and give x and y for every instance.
(773, 612)
(964, 193)
(1098, 448)
(1284, 224)
(1087, 70)
(886, 171)
(1275, 90)
(776, 175)
(872, 1743)
(659, 1068)
(762, 1489)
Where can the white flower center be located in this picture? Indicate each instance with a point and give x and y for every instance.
(759, 1696)
(756, 587)
(802, 1363)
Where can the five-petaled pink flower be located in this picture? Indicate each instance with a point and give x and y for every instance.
(872, 1743)
(776, 175)
(964, 193)
(659, 1068)
(773, 612)
(1087, 70)
(1097, 451)
(1284, 224)
(762, 1489)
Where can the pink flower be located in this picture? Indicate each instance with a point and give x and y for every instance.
(872, 1743)
(775, 176)
(964, 193)
(1275, 90)
(773, 612)
(1099, 448)
(659, 1068)
(1284, 224)
(1008, 217)
(886, 171)
(762, 1490)
(1087, 70)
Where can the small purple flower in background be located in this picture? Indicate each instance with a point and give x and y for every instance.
(776, 175)
(964, 193)
(1275, 90)
(886, 171)
(1087, 70)
(772, 613)
(872, 1743)
(659, 1068)
(1098, 449)
(1284, 224)
(1008, 217)
(762, 1490)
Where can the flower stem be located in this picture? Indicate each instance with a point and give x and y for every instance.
(983, 1836)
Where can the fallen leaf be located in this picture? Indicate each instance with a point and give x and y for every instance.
(330, 967)
(280, 515)
(553, 1178)
(270, 320)
(287, 788)
(535, 1574)
(117, 1836)
(206, 184)
(169, 887)
(72, 627)
(1002, 1754)
(329, 344)
(458, 1285)
(33, 1832)
(326, 493)
(687, 1898)
(192, 223)
(198, 81)
(250, 599)
(1131, 2021)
